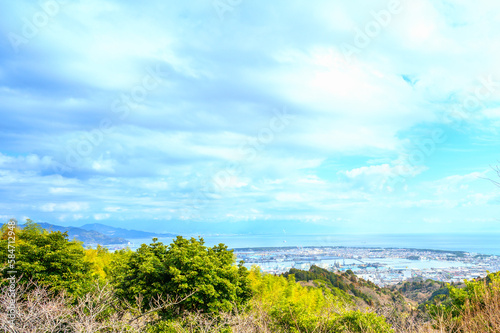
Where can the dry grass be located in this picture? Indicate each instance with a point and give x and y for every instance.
(39, 310)
(482, 313)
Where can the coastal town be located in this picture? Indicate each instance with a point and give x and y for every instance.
(382, 266)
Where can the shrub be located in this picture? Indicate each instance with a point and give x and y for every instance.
(205, 279)
(48, 258)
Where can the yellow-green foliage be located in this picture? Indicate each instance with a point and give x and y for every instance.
(474, 308)
(279, 291)
(101, 259)
(475, 291)
(295, 308)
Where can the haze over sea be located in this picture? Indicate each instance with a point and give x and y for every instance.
(484, 243)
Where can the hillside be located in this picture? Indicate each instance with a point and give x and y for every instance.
(88, 237)
(363, 293)
(422, 291)
(96, 233)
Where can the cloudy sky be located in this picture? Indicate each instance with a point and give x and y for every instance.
(251, 116)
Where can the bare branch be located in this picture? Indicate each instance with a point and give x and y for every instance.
(162, 304)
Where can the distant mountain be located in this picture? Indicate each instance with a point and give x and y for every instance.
(120, 232)
(86, 236)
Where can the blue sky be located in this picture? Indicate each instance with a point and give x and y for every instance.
(237, 116)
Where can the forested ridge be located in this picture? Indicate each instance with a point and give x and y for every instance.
(57, 285)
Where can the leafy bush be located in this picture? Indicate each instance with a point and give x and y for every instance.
(46, 257)
(205, 279)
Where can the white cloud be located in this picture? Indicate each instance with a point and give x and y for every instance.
(103, 166)
(457, 183)
(311, 179)
(101, 216)
(492, 113)
(60, 190)
(382, 176)
(113, 209)
(220, 87)
(289, 197)
(65, 207)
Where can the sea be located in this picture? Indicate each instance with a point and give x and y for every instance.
(480, 243)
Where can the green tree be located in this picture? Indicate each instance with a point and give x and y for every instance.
(48, 258)
(184, 267)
